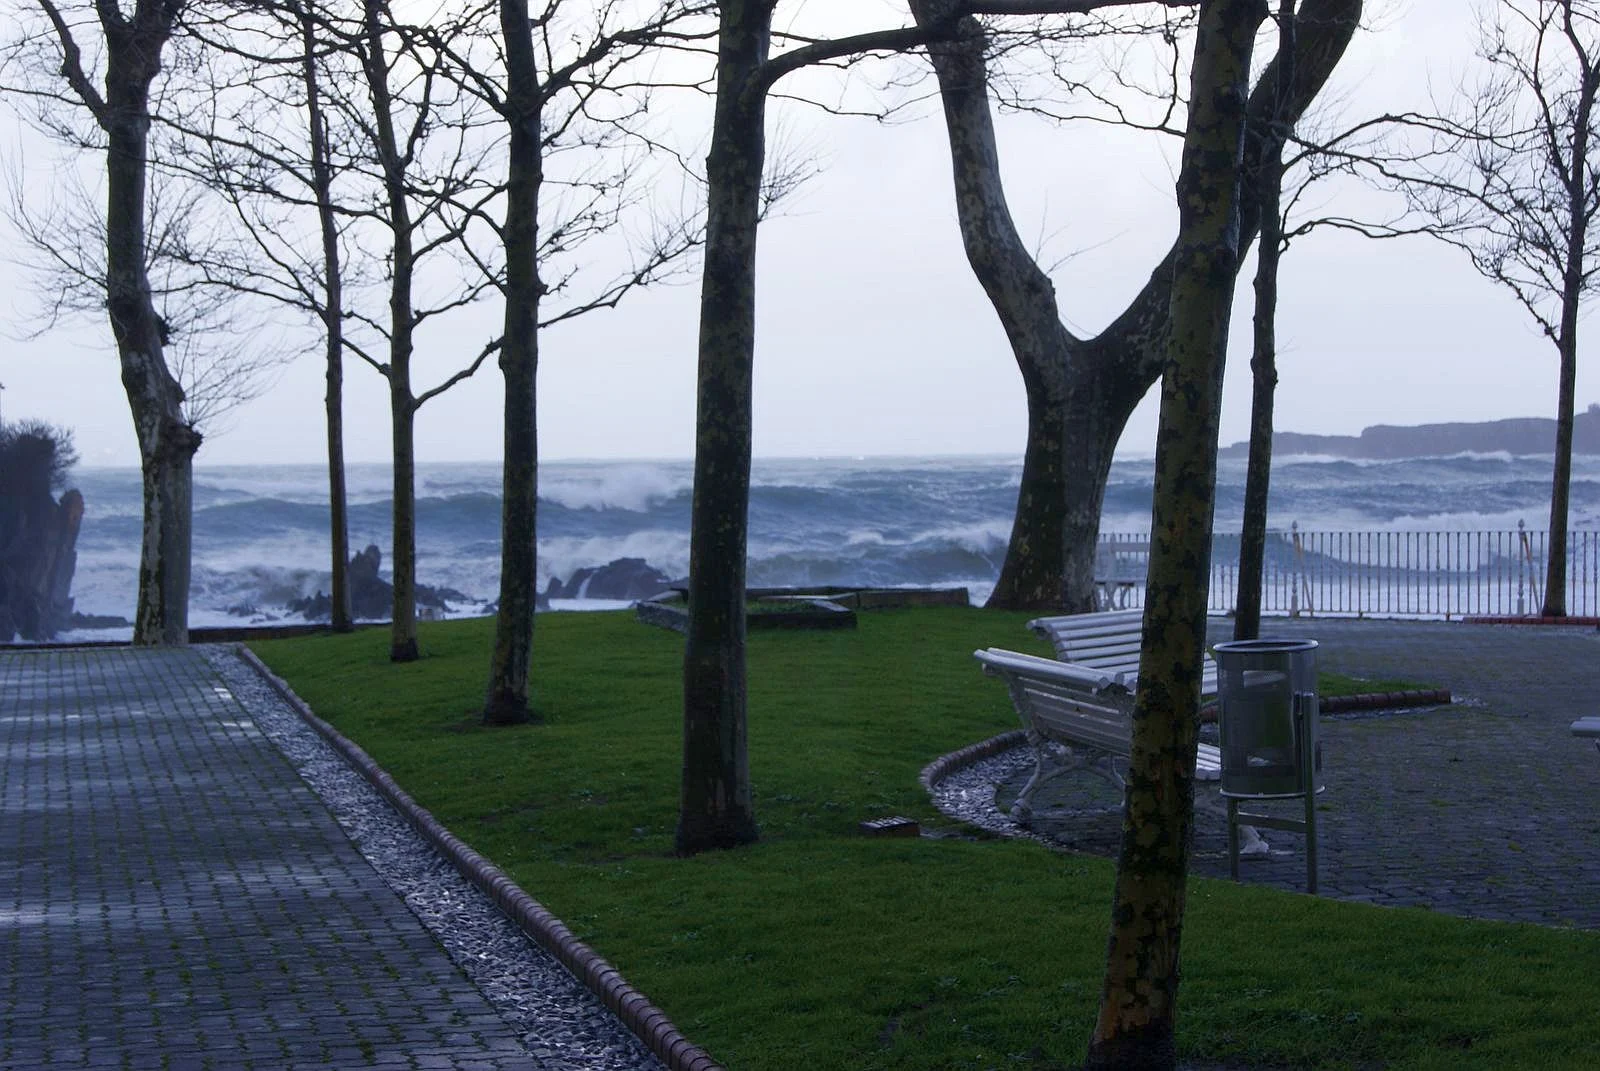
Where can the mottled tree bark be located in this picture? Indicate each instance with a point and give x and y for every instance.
(715, 808)
(1082, 390)
(1264, 352)
(134, 43)
(507, 699)
(332, 325)
(1136, 1024)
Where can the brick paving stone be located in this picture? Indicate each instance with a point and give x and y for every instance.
(1486, 808)
(176, 897)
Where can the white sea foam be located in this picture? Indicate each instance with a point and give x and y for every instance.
(632, 487)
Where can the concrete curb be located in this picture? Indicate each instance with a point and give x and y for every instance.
(1534, 619)
(647, 1022)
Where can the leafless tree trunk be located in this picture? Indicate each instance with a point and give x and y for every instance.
(332, 313)
(133, 46)
(507, 699)
(715, 809)
(1138, 1005)
(1264, 356)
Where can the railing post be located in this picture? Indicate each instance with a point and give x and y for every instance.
(1522, 569)
(1294, 585)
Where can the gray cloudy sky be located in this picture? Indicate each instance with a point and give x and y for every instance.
(874, 337)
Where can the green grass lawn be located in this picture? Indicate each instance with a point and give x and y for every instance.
(819, 948)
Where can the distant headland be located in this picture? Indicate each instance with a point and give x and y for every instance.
(1518, 435)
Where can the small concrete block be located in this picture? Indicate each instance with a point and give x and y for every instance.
(891, 827)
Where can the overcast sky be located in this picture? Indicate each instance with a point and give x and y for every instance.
(874, 338)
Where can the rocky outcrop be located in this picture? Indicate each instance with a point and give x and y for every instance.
(624, 578)
(371, 596)
(1520, 435)
(38, 555)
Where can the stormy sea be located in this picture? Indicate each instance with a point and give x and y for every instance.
(260, 531)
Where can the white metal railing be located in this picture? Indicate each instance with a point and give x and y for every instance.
(1400, 574)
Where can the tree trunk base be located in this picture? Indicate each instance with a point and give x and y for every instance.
(715, 836)
(404, 652)
(1150, 1050)
(505, 710)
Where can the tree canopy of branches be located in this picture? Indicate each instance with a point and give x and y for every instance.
(1081, 391)
(1512, 177)
(574, 113)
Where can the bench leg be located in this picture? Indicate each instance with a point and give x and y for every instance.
(1051, 760)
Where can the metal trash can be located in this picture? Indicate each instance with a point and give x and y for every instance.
(1267, 717)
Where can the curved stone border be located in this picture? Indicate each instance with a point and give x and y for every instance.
(945, 765)
(1426, 697)
(647, 1022)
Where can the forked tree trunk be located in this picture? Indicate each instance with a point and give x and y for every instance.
(167, 443)
(1264, 356)
(508, 692)
(1086, 388)
(715, 808)
(1138, 1006)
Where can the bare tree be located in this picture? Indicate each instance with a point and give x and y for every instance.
(1512, 177)
(1272, 135)
(1081, 391)
(117, 84)
(574, 111)
(260, 140)
(1138, 1006)
(411, 130)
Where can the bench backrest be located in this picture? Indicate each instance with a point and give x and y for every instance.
(1065, 702)
(1108, 642)
(1103, 641)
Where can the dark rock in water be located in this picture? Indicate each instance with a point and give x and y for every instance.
(625, 578)
(371, 596)
(38, 555)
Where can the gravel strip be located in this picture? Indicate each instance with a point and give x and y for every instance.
(967, 793)
(563, 1025)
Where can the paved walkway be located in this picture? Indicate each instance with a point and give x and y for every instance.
(1488, 808)
(173, 896)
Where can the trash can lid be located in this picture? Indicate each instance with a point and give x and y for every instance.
(1264, 646)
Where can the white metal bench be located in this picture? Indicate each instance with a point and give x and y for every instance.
(1067, 707)
(1108, 642)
